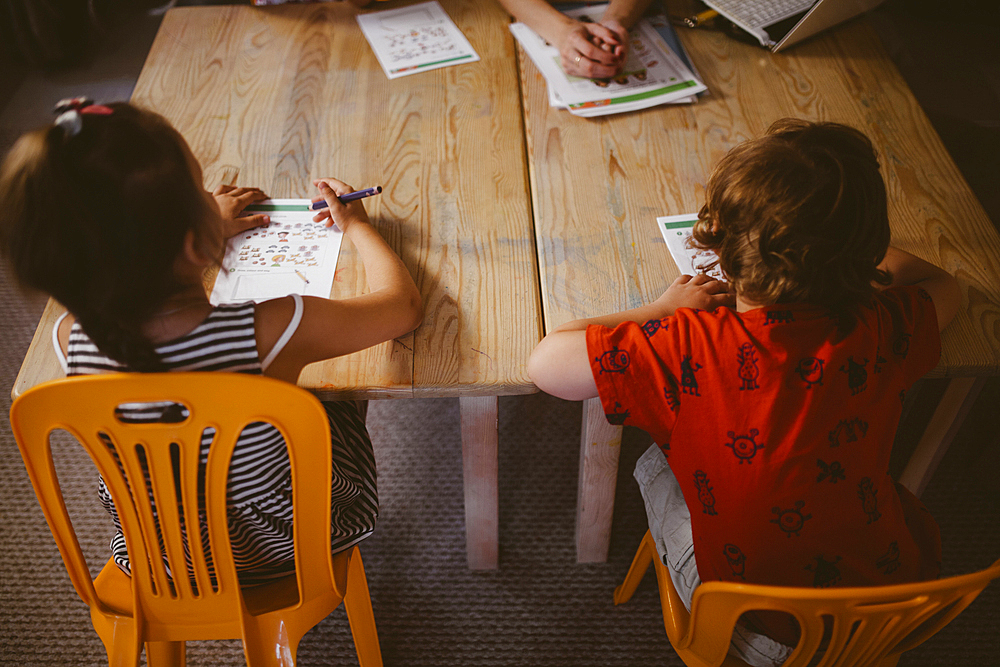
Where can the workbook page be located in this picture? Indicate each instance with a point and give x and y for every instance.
(676, 230)
(415, 39)
(292, 255)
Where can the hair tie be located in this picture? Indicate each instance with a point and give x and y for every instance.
(69, 110)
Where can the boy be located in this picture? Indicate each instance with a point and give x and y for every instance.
(775, 398)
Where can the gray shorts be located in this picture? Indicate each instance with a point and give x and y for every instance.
(670, 526)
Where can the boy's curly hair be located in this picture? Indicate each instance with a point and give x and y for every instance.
(799, 215)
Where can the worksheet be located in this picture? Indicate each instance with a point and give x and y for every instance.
(676, 230)
(653, 73)
(415, 39)
(292, 255)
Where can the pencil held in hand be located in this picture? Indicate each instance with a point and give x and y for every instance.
(349, 197)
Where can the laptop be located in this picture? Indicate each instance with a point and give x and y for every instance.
(777, 24)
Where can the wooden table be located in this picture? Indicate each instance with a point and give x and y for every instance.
(598, 186)
(277, 97)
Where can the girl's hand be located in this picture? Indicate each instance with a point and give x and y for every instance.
(591, 50)
(700, 291)
(338, 212)
(231, 201)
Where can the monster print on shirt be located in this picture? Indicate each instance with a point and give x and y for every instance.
(901, 346)
(857, 376)
(791, 520)
(671, 397)
(810, 370)
(744, 446)
(613, 361)
(748, 371)
(848, 430)
(689, 385)
(652, 326)
(736, 559)
(867, 492)
(833, 470)
(705, 495)
(779, 317)
(618, 417)
(826, 574)
(889, 561)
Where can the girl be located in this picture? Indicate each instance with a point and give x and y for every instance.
(105, 211)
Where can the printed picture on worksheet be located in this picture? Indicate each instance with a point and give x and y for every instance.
(676, 231)
(291, 255)
(415, 38)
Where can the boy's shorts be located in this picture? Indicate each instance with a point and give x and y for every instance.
(670, 526)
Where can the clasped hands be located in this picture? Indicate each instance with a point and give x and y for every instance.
(593, 50)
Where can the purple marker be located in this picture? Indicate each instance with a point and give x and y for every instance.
(350, 196)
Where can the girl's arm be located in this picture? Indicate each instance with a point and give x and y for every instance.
(560, 363)
(331, 328)
(942, 287)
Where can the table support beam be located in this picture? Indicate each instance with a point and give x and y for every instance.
(955, 404)
(600, 445)
(480, 467)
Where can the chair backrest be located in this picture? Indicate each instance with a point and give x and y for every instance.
(152, 472)
(867, 624)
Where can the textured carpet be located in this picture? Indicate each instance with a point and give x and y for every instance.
(540, 607)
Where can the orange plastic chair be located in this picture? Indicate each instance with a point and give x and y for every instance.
(150, 608)
(870, 626)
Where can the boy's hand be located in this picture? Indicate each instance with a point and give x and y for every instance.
(338, 212)
(700, 291)
(231, 201)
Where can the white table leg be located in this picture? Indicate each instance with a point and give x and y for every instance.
(479, 467)
(600, 445)
(958, 398)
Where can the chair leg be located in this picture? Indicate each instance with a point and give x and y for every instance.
(643, 559)
(358, 604)
(166, 654)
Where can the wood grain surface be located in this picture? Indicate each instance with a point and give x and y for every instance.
(599, 184)
(276, 97)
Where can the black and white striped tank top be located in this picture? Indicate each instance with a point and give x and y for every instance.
(259, 489)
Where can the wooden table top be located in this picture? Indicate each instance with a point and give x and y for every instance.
(275, 97)
(599, 184)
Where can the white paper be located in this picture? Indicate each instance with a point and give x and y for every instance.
(652, 75)
(415, 39)
(676, 230)
(292, 255)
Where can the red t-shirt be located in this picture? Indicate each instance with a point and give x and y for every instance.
(780, 434)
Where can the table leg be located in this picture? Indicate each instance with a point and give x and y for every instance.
(600, 445)
(479, 468)
(958, 398)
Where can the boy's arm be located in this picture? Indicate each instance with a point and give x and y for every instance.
(560, 363)
(942, 287)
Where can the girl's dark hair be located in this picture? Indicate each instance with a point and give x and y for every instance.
(97, 220)
(800, 215)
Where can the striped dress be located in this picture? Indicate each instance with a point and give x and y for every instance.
(259, 488)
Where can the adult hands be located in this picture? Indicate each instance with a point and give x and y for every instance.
(593, 50)
(231, 201)
(338, 212)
